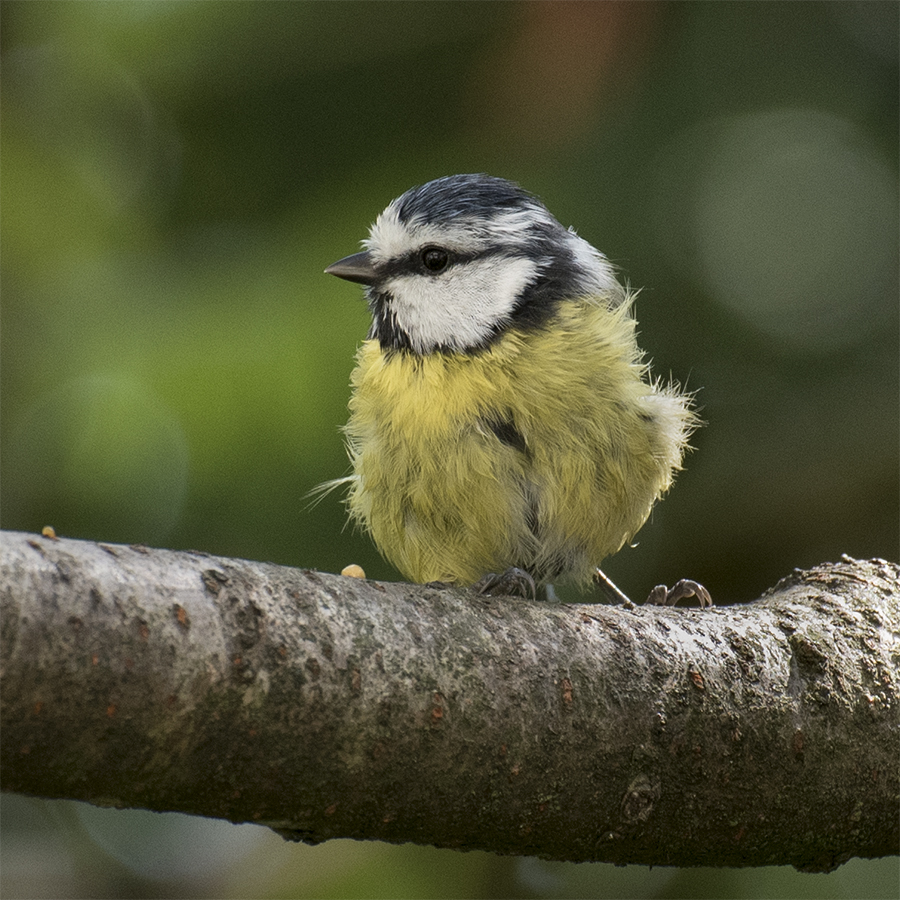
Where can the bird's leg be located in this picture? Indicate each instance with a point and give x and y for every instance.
(513, 582)
(548, 593)
(613, 593)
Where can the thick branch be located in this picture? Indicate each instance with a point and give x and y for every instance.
(334, 707)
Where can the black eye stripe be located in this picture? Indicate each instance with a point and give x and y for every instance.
(411, 263)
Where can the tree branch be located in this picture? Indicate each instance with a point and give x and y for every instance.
(334, 707)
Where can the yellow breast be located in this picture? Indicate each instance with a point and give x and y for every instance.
(545, 451)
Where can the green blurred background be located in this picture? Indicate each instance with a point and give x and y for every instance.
(176, 176)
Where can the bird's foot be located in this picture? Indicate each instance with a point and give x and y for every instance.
(514, 582)
(663, 596)
(659, 596)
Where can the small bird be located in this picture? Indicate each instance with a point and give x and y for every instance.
(504, 429)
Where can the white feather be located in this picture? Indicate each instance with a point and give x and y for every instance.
(389, 238)
(600, 276)
(464, 307)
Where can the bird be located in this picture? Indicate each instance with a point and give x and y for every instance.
(505, 431)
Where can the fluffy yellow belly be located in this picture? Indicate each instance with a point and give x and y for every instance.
(546, 451)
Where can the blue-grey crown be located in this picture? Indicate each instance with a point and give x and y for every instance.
(463, 196)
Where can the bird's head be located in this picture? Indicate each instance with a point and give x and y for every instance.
(450, 265)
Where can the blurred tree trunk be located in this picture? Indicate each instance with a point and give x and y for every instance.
(335, 707)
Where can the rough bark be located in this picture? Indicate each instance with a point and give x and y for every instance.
(335, 707)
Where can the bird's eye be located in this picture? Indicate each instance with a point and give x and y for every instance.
(435, 259)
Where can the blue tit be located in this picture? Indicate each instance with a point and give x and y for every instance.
(504, 427)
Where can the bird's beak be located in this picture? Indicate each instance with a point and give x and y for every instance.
(358, 268)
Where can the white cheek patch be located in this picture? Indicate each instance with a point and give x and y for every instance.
(463, 307)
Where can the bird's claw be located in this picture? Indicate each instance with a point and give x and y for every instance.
(513, 582)
(663, 596)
